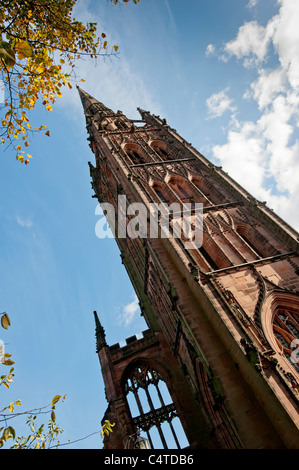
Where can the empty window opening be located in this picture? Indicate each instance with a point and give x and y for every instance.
(152, 409)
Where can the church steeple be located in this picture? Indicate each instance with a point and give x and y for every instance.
(100, 333)
(222, 315)
(94, 110)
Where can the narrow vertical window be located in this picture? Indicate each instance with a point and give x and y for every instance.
(160, 148)
(160, 194)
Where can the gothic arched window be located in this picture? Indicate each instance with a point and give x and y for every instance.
(160, 148)
(160, 193)
(182, 191)
(135, 153)
(152, 409)
(286, 331)
(280, 323)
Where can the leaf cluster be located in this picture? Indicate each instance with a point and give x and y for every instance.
(39, 437)
(107, 428)
(39, 46)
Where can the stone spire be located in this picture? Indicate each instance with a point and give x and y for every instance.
(90, 105)
(100, 333)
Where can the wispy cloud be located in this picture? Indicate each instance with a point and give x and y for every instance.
(24, 222)
(210, 50)
(170, 15)
(113, 80)
(129, 312)
(252, 3)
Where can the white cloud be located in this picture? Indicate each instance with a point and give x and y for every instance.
(269, 84)
(242, 156)
(210, 50)
(219, 103)
(129, 312)
(252, 3)
(263, 155)
(24, 222)
(286, 39)
(251, 43)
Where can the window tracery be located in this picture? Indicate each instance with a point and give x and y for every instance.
(286, 331)
(146, 389)
(160, 148)
(134, 152)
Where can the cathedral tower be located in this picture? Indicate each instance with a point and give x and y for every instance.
(222, 315)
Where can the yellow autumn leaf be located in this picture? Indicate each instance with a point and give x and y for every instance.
(23, 49)
(56, 399)
(115, 48)
(49, 108)
(11, 408)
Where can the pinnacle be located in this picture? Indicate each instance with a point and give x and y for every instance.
(100, 333)
(87, 102)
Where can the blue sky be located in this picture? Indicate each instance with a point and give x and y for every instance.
(225, 75)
